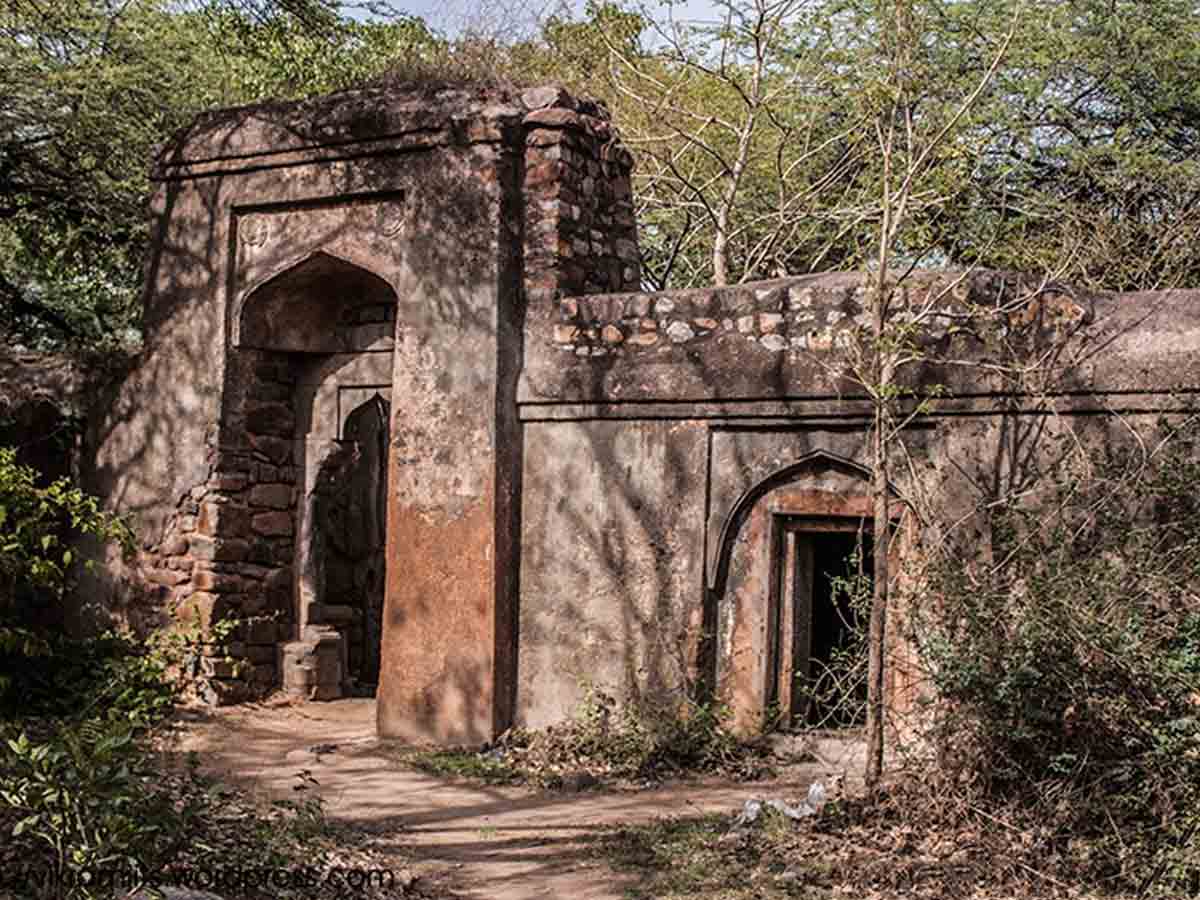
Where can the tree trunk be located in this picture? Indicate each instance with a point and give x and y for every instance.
(877, 628)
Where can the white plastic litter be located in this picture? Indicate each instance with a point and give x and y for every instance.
(810, 806)
(749, 815)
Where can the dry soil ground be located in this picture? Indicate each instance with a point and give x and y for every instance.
(498, 843)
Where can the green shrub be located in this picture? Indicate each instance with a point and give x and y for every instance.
(1069, 667)
(113, 676)
(38, 524)
(87, 795)
(637, 739)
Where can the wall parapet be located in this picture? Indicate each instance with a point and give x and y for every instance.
(785, 338)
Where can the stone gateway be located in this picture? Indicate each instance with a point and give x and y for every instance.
(403, 410)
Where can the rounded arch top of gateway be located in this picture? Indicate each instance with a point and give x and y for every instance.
(317, 305)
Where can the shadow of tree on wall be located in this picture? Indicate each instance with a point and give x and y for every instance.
(625, 548)
(421, 212)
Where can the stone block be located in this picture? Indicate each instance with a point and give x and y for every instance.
(222, 520)
(254, 603)
(167, 577)
(770, 322)
(272, 496)
(217, 582)
(261, 551)
(228, 481)
(611, 334)
(252, 572)
(299, 678)
(207, 548)
(262, 631)
(546, 97)
(272, 524)
(176, 546)
(203, 608)
(325, 692)
(679, 332)
(274, 449)
(265, 472)
(644, 339)
(277, 580)
(261, 653)
(541, 137)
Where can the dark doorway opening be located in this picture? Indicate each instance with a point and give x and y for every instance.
(819, 591)
(352, 523)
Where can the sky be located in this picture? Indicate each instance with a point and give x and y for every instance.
(513, 18)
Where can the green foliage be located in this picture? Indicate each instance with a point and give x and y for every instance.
(281, 57)
(637, 740)
(112, 677)
(92, 800)
(1069, 667)
(87, 794)
(92, 88)
(83, 790)
(36, 524)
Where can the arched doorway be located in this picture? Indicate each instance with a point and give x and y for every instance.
(329, 326)
(778, 596)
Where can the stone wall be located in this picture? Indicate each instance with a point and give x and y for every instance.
(583, 481)
(667, 434)
(385, 242)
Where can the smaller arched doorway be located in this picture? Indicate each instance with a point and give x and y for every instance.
(793, 551)
(349, 509)
(328, 325)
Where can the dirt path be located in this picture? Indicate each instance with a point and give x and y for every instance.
(500, 843)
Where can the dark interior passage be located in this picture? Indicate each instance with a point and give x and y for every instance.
(354, 525)
(820, 589)
(836, 695)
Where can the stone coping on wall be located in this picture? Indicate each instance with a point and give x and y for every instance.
(795, 337)
(372, 120)
(27, 376)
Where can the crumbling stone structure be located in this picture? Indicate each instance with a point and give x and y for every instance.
(403, 411)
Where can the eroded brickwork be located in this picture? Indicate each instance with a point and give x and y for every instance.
(522, 196)
(580, 231)
(227, 554)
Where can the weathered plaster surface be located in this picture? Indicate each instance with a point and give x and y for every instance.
(582, 479)
(612, 556)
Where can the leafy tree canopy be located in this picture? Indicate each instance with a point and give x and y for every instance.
(755, 133)
(92, 87)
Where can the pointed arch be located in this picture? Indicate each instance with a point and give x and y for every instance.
(300, 308)
(817, 460)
